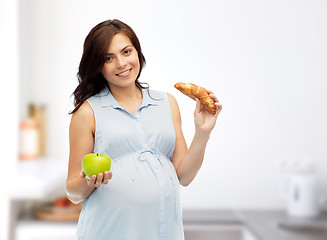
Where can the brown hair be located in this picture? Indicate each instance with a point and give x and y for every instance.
(89, 75)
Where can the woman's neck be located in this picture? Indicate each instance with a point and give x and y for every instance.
(126, 94)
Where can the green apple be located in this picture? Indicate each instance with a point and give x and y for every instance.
(95, 163)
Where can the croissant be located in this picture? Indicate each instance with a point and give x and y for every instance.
(193, 91)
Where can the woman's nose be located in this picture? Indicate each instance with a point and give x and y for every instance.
(120, 63)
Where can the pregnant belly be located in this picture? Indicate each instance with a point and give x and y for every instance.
(138, 183)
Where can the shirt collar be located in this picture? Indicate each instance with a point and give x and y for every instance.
(108, 100)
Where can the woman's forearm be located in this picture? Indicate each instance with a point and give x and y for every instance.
(78, 190)
(191, 163)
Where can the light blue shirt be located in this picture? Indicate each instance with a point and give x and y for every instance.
(142, 200)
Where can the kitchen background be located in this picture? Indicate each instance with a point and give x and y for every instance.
(265, 60)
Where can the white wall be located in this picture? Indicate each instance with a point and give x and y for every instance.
(265, 60)
(9, 105)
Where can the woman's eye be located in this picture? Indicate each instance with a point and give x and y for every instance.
(127, 51)
(108, 59)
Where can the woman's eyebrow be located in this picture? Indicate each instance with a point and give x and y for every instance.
(126, 47)
(120, 50)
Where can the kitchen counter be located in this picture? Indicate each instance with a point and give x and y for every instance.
(264, 225)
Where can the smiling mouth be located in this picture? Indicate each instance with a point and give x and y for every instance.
(124, 74)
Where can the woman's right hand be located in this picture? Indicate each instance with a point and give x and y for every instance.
(97, 181)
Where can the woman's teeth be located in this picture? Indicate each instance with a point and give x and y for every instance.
(124, 73)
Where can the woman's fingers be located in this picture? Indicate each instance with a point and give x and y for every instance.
(107, 177)
(198, 106)
(218, 105)
(213, 96)
(99, 179)
(91, 181)
(102, 178)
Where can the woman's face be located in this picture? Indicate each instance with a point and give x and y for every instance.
(122, 63)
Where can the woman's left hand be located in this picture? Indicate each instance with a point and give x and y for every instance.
(204, 120)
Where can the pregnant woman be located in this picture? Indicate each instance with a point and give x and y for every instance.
(140, 129)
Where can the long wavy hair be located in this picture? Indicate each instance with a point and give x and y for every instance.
(89, 75)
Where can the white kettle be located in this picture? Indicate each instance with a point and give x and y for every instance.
(302, 195)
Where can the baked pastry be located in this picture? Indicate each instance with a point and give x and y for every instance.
(193, 91)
